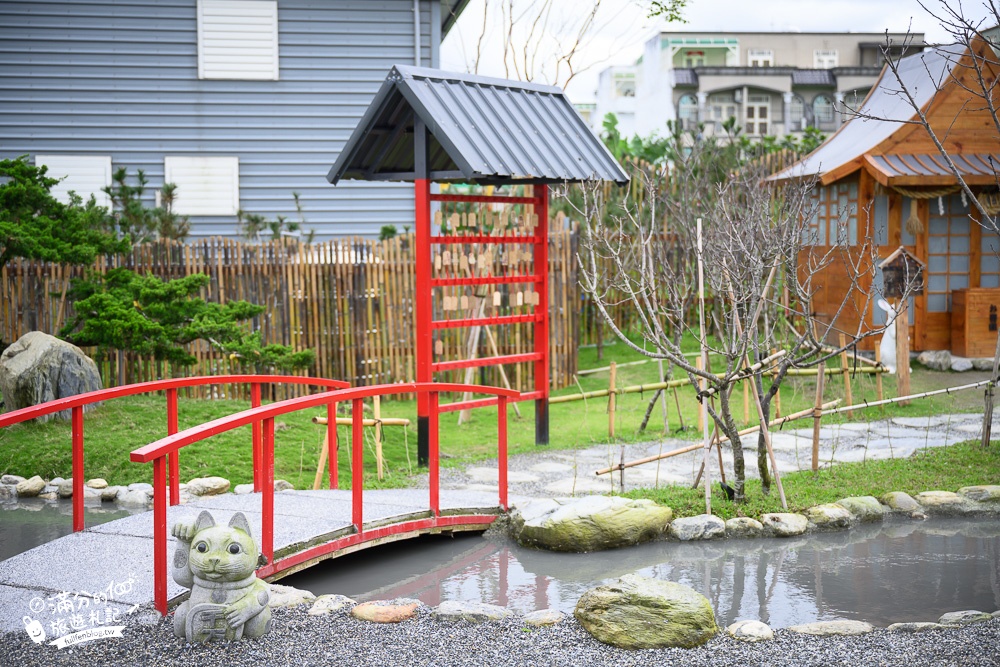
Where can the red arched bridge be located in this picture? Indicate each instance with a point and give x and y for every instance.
(305, 536)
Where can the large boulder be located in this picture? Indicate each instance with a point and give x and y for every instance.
(701, 527)
(207, 486)
(830, 516)
(591, 523)
(936, 360)
(38, 368)
(784, 524)
(640, 613)
(31, 487)
(865, 508)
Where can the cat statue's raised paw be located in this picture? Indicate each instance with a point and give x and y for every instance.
(218, 564)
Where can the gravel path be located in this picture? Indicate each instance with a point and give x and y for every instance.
(299, 639)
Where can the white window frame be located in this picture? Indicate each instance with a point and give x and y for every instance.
(228, 203)
(69, 168)
(237, 11)
(825, 58)
(760, 58)
(623, 81)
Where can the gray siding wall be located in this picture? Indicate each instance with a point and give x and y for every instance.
(120, 78)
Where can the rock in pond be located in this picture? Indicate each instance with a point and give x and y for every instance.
(66, 488)
(11, 479)
(830, 628)
(282, 485)
(967, 617)
(784, 524)
(109, 493)
(241, 489)
(544, 617)
(385, 611)
(473, 612)
(830, 516)
(942, 502)
(865, 508)
(8, 492)
(900, 502)
(132, 498)
(97, 483)
(701, 527)
(638, 613)
(326, 604)
(981, 494)
(743, 526)
(30, 488)
(750, 631)
(591, 523)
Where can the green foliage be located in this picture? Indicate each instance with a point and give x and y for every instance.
(252, 225)
(808, 142)
(121, 310)
(669, 10)
(387, 232)
(133, 218)
(35, 225)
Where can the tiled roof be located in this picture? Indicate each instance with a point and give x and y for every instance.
(813, 77)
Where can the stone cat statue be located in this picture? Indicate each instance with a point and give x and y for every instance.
(218, 564)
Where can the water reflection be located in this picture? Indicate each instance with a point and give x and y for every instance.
(33, 521)
(883, 573)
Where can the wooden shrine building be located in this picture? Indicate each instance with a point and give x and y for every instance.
(883, 172)
(481, 258)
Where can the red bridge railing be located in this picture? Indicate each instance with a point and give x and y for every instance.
(76, 404)
(159, 452)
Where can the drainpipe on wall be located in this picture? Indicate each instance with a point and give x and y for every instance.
(416, 32)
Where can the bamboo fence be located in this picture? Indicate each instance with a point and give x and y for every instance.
(351, 300)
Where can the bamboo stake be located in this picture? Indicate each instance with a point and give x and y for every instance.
(663, 397)
(777, 394)
(700, 365)
(746, 403)
(817, 415)
(611, 401)
(878, 376)
(902, 352)
(906, 399)
(347, 421)
(847, 376)
(704, 364)
(323, 454)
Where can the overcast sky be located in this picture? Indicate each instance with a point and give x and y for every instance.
(622, 28)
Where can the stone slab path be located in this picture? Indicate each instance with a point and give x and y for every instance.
(551, 473)
(120, 553)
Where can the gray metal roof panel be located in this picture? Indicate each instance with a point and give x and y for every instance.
(491, 130)
(685, 76)
(883, 112)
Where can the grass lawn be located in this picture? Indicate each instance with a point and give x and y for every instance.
(939, 468)
(122, 425)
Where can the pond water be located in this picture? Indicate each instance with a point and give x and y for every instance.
(32, 521)
(884, 573)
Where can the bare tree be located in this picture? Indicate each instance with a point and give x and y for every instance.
(756, 243)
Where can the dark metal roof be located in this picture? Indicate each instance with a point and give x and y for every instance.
(480, 130)
(685, 76)
(813, 77)
(971, 165)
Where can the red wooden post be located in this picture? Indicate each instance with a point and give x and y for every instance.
(502, 448)
(267, 491)
(256, 437)
(173, 458)
(541, 257)
(423, 310)
(357, 464)
(331, 442)
(77, 421)
(160, 535)
(433, 463)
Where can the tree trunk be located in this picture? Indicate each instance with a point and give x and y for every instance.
(762, 466)
(730, 429)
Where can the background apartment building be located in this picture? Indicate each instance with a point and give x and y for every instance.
(771, 83)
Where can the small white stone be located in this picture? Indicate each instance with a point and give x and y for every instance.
(750, 631)
(828, 628)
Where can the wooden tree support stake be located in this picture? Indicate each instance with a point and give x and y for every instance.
(878, 376)
(817, 415)
(848, 397)
(902, 352)
(612, 398)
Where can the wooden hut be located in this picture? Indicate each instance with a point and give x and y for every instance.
(883, 172)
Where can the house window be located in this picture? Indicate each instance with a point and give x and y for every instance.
(760, 57)
(824, 58)
(721, 108)
(687, 112)
(624, 84)
(758, 115)
(238, 39)
(205, 185)
(835, 221)
(694, 59)
(796, 114)
(823, 109)
(947, 252)
(989, 259)
(85, 175)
